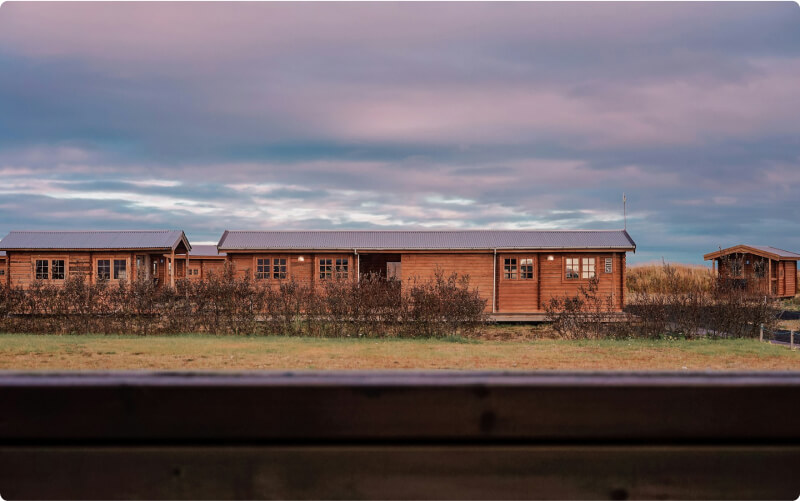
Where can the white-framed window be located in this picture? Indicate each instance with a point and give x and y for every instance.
(587, 267)
(571, 268)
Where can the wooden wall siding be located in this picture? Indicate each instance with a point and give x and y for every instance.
(554, 285)
(516, 295)
(478, 266)
(303, 272)
(783, 275)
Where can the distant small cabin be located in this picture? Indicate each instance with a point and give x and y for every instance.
(764, 268)
(516, 271)
(204, 259)
(109, 256)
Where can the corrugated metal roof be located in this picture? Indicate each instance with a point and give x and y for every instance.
(427, 240)
(131, 239)
(205, 251)
(774, 250)
(2, 253)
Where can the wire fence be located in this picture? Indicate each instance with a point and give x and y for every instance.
(779, 336)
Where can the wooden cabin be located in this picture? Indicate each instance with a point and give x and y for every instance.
(760, 267)
(204, 259)
(516, 271)
(53, 256)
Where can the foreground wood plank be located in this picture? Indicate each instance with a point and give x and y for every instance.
(466, 406)
(411, 472)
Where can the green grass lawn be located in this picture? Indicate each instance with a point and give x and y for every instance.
(187, 352)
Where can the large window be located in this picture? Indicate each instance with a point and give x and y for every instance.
(42, 269)
(510, 268)
(527, 268)
(587, 267)
(760, 267)
(341, 270)
(103, 269)
(120, 270)
(58, 269)
(279, 268)
(571, 268)
(262, 268)
(326, 268)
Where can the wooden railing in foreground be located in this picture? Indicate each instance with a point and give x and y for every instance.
(399, 435)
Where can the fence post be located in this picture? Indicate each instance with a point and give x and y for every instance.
(791, 340)
(761, 331)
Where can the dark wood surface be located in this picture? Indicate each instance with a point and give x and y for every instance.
(399, 435)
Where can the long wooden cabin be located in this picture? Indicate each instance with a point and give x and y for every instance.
(516, 271)
(205, 259)
(763, 268)
(53, 256)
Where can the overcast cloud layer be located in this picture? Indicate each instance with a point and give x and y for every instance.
(207, 117)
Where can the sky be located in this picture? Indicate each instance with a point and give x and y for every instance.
(214, 116)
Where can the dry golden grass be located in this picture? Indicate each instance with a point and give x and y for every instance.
(651, 278)
(195, 352)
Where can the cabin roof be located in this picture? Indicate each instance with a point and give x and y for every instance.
(2, 253)
(426, 240)
(94, 240)
(759, 250)
(205, 251)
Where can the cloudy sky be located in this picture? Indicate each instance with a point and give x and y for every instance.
(207, 117)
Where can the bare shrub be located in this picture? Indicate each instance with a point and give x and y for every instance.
(589, 314)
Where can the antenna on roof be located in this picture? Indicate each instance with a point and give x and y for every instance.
(624, 211)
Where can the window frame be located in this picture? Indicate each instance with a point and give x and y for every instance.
(116, 270)
(518, 275)
(37, 273)
(105, 277)
(599, 261)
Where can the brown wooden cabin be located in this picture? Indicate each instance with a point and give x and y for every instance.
(763, 268)
(205, 259)
(53, 256)
(516, 271)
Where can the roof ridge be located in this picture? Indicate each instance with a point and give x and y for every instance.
(423, 231)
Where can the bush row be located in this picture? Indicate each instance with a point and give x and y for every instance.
(717, 309)
(227, 304)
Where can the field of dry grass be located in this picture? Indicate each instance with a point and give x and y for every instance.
(194, 352)
(653, 278)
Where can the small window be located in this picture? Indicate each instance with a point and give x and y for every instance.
(262, 269)
(571, 268)
(342, 268)
(58, 269)
(120, 272)
(42, 271)
(155, 268)
(103, 269)
(510, 268)
(2, 272)
(326, 268)
(527, 269)
(587, 267)
(279, 268)
(759, 268)
(608, 265)
(737, 267)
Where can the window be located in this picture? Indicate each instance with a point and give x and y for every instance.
(527, 269)
(42, 269)
(571, 268)
(608, 265)
(279, 268)
(326, 268)
(737, 267)
(759, 268)
(510, 268)
(58, 269)
(2, 272)
(155, 268)
(262, 269)
(587, 267)
(120, 272)
(342, 268)
(103, 269)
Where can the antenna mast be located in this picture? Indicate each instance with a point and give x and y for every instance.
(624, 210)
